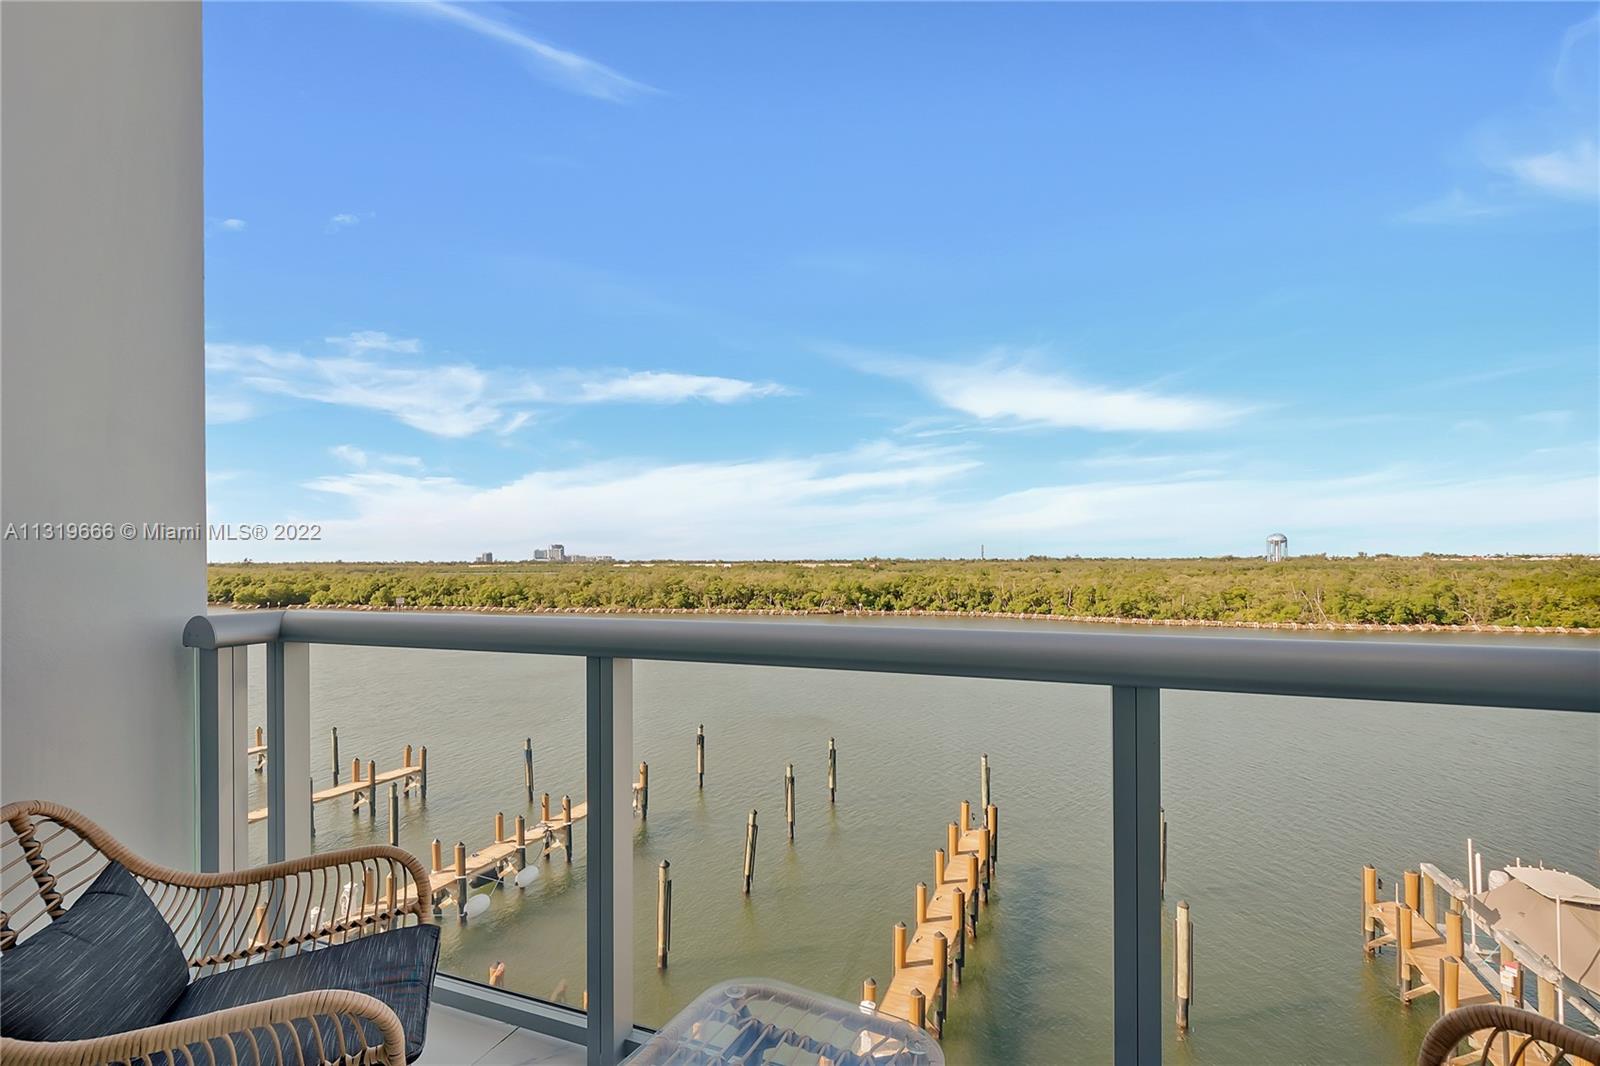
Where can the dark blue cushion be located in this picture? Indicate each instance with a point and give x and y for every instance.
(109, 964)
(396, 967)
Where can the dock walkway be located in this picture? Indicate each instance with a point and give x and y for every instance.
(919, 971)
(365, 789)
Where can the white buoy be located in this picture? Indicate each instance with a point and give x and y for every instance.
(527, 876)
(478, 904)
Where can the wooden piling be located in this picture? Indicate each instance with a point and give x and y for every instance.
(527, 767)
(938, 868)
(1403, 951)
(497, 974)
(983, 860)
(833, 770)
(983, 780)
(700, 755)
(972, 890)
(372, 788)
(394, 814)
(436, 855)
(952, 842)
(750, 852)
(919, 1009)
(261, 742)
(1430, 904)
(461, 879)
(966, 815)
(1549, 998)
(355, 776)
(991, 817)
(922, 902)
(1413, 890)
(1369, 899)
(336, 755)
(869, 993)
(1164, 855)
(407, 761)
(1183, 964)
(1454, 938)
(941, 964)
(663, 914)
(788, 799)
(1449, 984)
(544, 807)
(311, 807)
(644, 789)
(958, 908)
(521, 828)
(566, 816)
(499, 827)
(422, 771)
(899, 946)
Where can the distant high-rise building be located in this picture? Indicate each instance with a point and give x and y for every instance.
(486, 557)
(1277, 548)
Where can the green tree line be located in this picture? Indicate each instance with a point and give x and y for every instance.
(1440, 590)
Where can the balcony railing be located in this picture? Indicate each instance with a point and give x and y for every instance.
(1136, 667)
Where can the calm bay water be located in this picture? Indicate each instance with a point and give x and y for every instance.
(1273, 806)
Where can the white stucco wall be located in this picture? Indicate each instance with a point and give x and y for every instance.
(101, 409)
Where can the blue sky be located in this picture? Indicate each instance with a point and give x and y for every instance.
(756, 281)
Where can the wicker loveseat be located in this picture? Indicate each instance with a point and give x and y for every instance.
(324, 931)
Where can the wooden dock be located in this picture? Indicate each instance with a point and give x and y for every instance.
(929, 958)
(1432, 959)
(507, 853)
(411, 773)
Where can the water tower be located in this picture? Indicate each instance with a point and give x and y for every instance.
(1277, 548)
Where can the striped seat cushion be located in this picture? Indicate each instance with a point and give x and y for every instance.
(109, 964)
(396, 967)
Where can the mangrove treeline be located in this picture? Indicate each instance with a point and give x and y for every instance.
(1439, 590)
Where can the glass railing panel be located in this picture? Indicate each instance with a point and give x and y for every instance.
(821, 911)
(474, 712)
(1273, 806)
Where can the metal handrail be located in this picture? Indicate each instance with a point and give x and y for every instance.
(1542, 678)
(1135, 666)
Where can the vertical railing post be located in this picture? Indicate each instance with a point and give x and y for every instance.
(1136, 874)
(288, 750)
(609, 860)
(220, 726)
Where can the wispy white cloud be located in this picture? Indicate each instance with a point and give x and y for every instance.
(884, 499)
(1571, 171)
(1538, 154)
(655, 386)
(1002, 386)
(373, 340)
(234, 224)
(787, 506)
(343, 220)
(451, 400)
(569, 70)
(361, 459)
(375, 371)
(1456, 206)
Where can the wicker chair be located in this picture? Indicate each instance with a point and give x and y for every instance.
(1520, 1031)
(221, 921)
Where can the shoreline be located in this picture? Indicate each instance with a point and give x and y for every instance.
(1177, 623)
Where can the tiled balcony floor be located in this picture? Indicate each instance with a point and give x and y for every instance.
(456, 1038)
